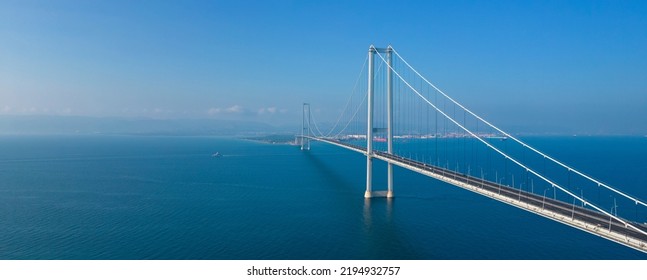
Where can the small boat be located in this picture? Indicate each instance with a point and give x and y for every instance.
(216, 154)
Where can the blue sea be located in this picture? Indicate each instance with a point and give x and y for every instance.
(150, 197)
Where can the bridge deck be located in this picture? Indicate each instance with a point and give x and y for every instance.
(576, 216)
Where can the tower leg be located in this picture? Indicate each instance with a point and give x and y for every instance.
(369, 127)
(389, 192)
(369, 177)
(389, 122)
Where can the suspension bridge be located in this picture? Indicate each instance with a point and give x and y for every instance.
(403, 119)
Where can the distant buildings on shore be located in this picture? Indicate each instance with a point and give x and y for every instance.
(421, 136)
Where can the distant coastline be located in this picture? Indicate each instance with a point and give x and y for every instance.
(284, 139)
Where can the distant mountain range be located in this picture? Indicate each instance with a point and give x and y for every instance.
(97, 125)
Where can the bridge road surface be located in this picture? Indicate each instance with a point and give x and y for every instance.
(600, 221)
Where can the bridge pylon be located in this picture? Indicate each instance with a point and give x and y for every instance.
(306, 132)
(369, 129)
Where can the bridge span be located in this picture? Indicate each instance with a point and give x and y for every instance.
(411, 107)
(569, 214)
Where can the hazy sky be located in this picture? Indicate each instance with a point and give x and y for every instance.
(543, 63)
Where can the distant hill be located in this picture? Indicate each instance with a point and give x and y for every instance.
(96, 125)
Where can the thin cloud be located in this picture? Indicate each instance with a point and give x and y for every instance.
(270, 111)
(235, 109)
(214, 111)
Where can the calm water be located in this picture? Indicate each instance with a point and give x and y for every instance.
(122, 197)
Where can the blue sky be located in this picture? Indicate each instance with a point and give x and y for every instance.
(518, 63)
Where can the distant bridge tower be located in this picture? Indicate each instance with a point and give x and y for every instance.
(305, 127)
(370, 129)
